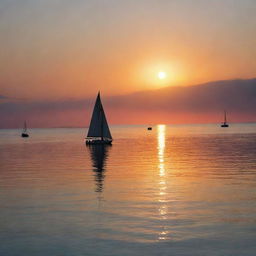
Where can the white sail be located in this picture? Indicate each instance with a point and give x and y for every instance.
(98, 125)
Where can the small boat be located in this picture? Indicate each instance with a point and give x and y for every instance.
(225, 124)
(98, 133)
(24, 133)
(149, 128)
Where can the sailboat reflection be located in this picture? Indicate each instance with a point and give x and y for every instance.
(99, 155)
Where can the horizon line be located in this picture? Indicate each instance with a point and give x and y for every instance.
(86, 127)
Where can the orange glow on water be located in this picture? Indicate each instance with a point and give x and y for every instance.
(163, 208)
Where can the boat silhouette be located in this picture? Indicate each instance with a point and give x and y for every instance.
(225, 124)
(24, 133)
(98, 132)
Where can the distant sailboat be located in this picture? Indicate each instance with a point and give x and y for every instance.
(24, 133)
(225, 124)
(98, 132)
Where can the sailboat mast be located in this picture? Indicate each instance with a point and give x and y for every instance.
(101, 118)
(25, 126)
(101, 127)
(225, 118)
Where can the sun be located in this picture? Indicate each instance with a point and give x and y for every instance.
(161, 75)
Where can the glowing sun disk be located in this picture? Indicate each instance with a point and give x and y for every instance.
(161, 75)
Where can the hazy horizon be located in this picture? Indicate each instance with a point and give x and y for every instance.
(196, 104)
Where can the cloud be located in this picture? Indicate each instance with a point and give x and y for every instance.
(237, 95)
(198, 103)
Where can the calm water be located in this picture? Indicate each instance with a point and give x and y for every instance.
(175, 190)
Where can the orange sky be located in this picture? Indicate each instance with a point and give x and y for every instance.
(60, 49)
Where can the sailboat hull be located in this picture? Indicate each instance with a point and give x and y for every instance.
(224, 125)
(24, 135)
(98, 142)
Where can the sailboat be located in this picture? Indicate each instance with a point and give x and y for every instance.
(225, 124)
(98, 132)
(24, 133)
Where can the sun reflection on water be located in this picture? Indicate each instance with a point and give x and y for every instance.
(163, 209)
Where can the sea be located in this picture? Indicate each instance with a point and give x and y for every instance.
(175, 190)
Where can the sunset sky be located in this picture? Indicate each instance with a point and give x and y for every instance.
(56, 50)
